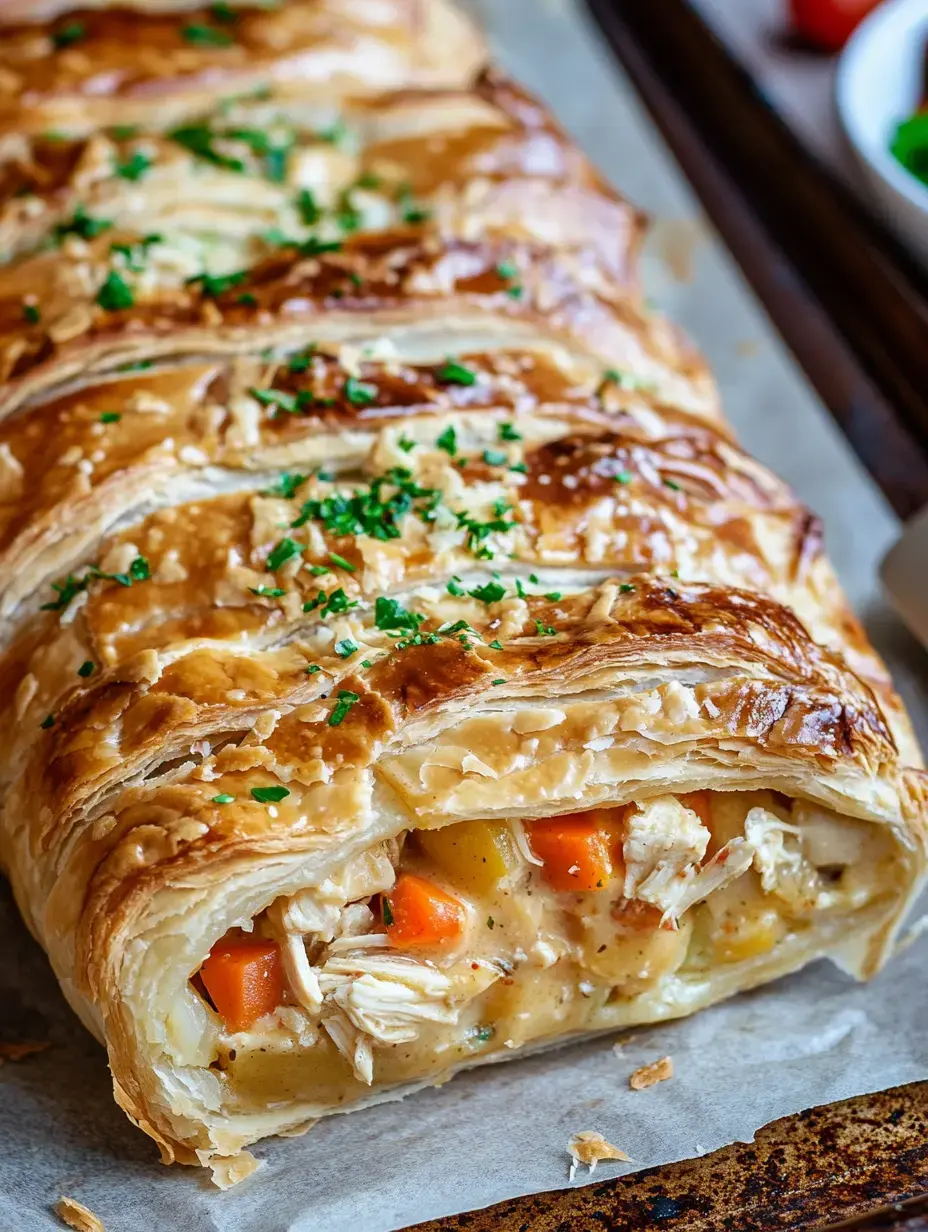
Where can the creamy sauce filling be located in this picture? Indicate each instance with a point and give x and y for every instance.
(726, 881)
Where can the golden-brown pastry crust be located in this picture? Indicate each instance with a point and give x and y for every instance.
(359, 468)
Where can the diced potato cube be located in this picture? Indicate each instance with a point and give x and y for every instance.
(476, 855)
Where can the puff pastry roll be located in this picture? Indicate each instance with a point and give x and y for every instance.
(403, 666)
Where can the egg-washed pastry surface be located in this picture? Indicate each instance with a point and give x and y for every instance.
(402, 664)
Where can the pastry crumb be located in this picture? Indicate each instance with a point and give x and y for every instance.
(229, 1170)
(588, 1147)
(16, 1052)
(648, 1075)
(77, 1216)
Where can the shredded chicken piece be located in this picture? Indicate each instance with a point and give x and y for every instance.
(766, 833)
(648, 1075)
(664, 844)
(303, 981)
(588, 1147)
(387, 997)
(77, 1216)
(520, 838)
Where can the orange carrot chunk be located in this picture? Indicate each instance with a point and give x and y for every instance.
(575, 851)
(245, 979)
(418, 912)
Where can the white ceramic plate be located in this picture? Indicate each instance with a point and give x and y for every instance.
(879, 83)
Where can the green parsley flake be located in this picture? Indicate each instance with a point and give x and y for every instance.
(366, 663)
(483, 1035)
(213, 285)
(115, 295)
(109, 417)
(267, 592)
(359, 393)
(31, 314)
(623, 477)
(669, 483)
(67, 35)
(223, 798)
(278, 398)
(508, 433)
(134, 167)
(493, 457)
(346, 648)
(48, 721)
(448, 441)
(206, 36)
(223, 12)
(455, 588)
(270, 795)
(82, 225)
(406, 444)
(520, 468)
(341, 562)
(496, 644)
(498, 681)
(392, 617)
(492, 592)
(307, 207)
(313, 669)
(286, 486)
(346, 699)
(387, 911)
(86, 668)
(336, 134)
(283, 551)
(543, 630)
(456, 374)
(626, 588)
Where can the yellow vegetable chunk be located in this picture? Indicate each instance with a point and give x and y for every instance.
(744, 924)
(477, 855)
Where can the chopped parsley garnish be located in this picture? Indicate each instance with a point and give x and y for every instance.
(72, 586)
(483, 1034)
(122, 132)
(410, 211)
(498, 681)
(68, 34)
(115, 295)
(496, 644)
(267, 592)
(136, 254)
(276, 397)
(387, 911)
(206, 36)
(336, 134)
(270, 795)
(626, 588)
(492, 592)
(341, 562)
(83, 225)
(555, 596)
(48, 721)
(455, 588)
(86, 668)
(223, 798)
(31, 314)
(448, 441)
(670, 483)
(215, 284)
(346, 648)
(301, 360)
(456, 374)
(109, 417)
(286, 486)
(346, 699)
(508, 433)
(493, 457)
(392, 617)
(138, 365)
(247, 299)
(479, 532)
(331, 605)
(359, 393)
(491, 923)
(370, 512)
(623, 477)
(406, 444)
(508, 271)
(543, 630)
(366, 663)
(347, 214)
(134, 167)
(223, 12)
(520, 468)
(307, 207)
(198, 139)
(283, 551)
(313, 669)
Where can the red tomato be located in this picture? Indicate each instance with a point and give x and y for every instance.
(829, 23)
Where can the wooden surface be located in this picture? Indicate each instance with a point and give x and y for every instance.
(856, 317)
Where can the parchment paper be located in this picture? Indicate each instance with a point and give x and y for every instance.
(502, 1131)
